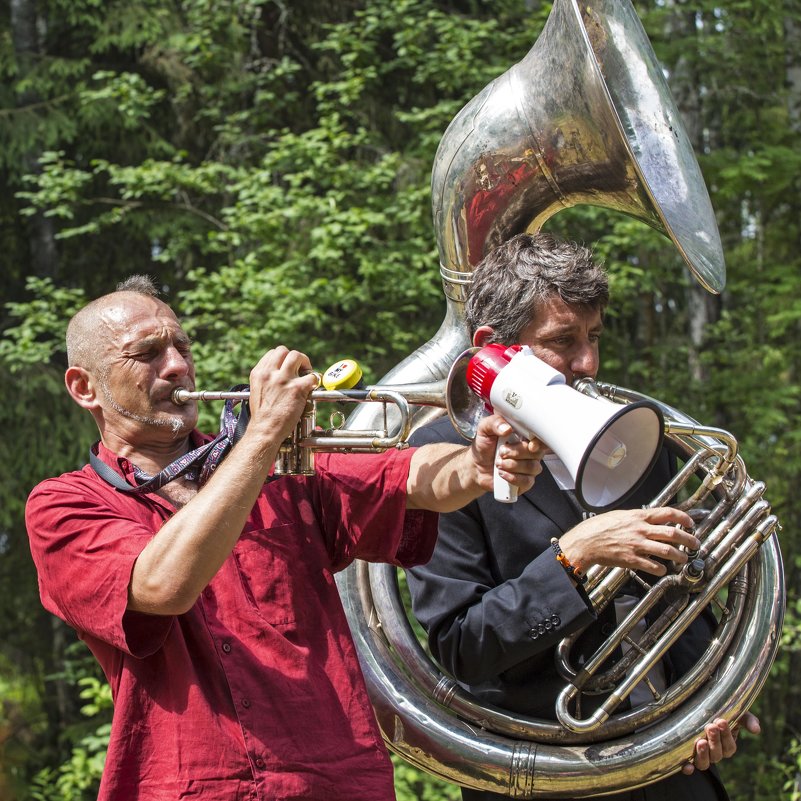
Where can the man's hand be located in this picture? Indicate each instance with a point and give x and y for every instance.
(280, 384)
(517, 462)
(720, 742)
(445, 477)
(632, 538)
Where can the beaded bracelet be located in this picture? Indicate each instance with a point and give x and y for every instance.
(572, 571)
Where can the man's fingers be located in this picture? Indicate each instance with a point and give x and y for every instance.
(725, 738)
(713, 737)
(524, 467)
(494, 426)
(518, 466)
(519, 451)
(668, 516)
(701, 760)
(297, 363)
(647, 566)
(719, 742)
(675, 536)
(749, 722)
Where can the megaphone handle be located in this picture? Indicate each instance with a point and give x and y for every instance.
(504, 491)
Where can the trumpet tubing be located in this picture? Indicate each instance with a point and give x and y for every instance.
(432, 394)
(296, 454)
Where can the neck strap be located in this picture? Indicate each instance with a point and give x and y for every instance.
(197, 464)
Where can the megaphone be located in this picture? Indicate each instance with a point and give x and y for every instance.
(607, 448)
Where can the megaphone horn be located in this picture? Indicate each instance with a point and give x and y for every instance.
(607, 449)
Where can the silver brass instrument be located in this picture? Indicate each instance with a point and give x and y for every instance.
(585, 117)
(296, 454)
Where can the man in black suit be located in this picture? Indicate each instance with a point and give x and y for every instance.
(494, 599)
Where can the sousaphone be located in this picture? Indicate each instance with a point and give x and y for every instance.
(585, 118)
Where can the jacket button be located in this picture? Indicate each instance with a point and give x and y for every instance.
(533, 633)
(556, 620)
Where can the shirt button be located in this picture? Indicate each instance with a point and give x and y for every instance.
(246, 703)
(207, 592)
(226, 647)
(259, 763)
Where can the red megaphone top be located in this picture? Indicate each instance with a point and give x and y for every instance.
(484, 366)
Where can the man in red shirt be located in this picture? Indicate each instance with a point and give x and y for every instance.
(213, 610)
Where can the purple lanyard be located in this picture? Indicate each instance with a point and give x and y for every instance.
(198, 464)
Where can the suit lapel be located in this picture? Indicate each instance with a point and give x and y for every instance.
(550, 500)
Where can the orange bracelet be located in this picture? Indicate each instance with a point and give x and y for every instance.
(572, 571)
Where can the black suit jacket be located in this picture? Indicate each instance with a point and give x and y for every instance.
(495, 602)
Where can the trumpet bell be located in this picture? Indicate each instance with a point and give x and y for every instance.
(465, 407)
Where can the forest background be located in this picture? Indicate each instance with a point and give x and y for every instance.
(269, 162)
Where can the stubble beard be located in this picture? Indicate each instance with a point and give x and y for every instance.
(174, 422)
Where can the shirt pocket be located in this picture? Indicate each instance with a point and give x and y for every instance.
(274, 572)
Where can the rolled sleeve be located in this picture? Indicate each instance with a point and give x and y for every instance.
(366, 495)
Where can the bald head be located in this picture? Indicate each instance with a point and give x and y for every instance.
(85, 331)
(127, 353)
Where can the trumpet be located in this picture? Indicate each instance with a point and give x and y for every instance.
(296, 454)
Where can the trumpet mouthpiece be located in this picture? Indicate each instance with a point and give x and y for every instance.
(181, 396)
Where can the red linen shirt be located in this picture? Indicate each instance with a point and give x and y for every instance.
(256, 692)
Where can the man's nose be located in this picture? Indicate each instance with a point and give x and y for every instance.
(585, 362)
(175, 363)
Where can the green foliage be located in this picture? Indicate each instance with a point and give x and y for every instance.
(39, 333)
(269, 162)
(791, 771)
(56, 436)
(22, 720)
(412, 784)
(78, 778)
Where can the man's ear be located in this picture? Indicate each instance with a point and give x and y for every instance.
(81, 386)
(483, 336)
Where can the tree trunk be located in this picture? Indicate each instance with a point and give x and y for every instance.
(685, 85)
(792, 49)
(25, 25)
